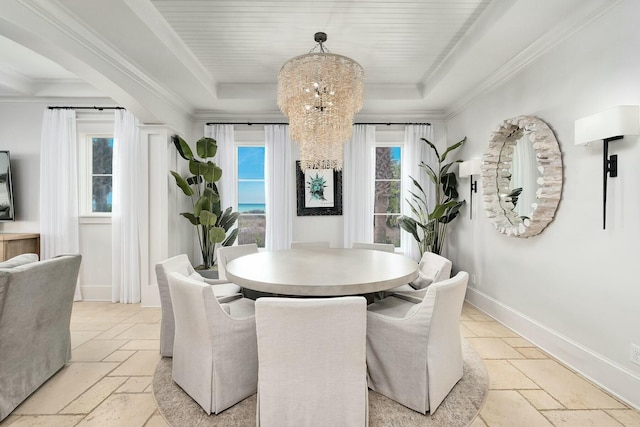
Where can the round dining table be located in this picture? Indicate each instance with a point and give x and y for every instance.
(322, 272)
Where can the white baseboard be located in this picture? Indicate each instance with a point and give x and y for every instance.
(96, 292)
(616, 379)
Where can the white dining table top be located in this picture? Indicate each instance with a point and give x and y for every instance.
(322, 272)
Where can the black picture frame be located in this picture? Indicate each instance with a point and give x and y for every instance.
(330, 200)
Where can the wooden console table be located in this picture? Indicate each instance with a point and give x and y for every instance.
(14, 244)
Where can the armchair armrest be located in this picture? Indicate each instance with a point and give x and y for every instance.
(215, 281)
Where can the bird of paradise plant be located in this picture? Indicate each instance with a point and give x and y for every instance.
(211, 222)
(429, 226)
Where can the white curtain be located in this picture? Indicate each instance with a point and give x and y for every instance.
(125, 215)
(59, 227)
(279, 189)
(226, 159)
(416, 150)
(358, 185)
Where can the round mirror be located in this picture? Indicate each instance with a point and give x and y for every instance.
(522, 176)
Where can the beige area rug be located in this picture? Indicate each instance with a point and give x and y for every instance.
(458, 409)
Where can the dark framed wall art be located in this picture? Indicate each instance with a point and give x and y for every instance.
(319, 191)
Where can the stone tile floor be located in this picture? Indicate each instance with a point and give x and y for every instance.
(116, 349)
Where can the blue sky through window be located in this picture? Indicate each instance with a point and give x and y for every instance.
(395, 154)
(251, 167)
(250, 162)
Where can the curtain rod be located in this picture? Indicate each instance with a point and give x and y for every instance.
(86, 108)
(359, 123)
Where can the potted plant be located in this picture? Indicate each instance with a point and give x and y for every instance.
(429, 227)
(212, 224)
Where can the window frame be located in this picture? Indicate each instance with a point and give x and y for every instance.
(85, 170)
(392, 144)
(249, 144)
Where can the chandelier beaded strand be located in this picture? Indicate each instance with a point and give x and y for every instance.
(320, 92)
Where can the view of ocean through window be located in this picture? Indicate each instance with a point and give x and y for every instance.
(251, 207)
(251, 195)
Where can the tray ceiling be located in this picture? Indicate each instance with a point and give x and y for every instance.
(220, 58)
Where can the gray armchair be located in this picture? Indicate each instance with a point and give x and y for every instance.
(432, 268)
(36, 300)
(182, 265)
(227, 254)
(414, 350)
(215, 358)
(311, 355)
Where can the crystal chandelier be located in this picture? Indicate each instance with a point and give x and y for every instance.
(320, 92)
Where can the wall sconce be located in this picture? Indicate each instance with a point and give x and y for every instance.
(468, 169)
(609, 125)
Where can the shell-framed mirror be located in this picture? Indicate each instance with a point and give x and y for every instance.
(522, 176)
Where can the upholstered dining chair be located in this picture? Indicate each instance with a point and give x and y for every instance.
(385, 247)
(182, 265)
(311, 356)
(227, 254)
(215, 359)
(432, 268)
(310, 245)
(414, 350)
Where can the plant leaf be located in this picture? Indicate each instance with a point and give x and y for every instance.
(213, 173)
(197, 167)
(191, 217)
(183, 148)
(432, 174)
(446, 167)
(451, 148)
(451, 213)
(207, 219)
(206, 147)
(449, 184)
(183, 184)
(409, 225)
(432, 146)
(194, 180)
(228, 219)
(203, 204)
(211, 195)
(440, 210)
(216, 234)
(231, 238)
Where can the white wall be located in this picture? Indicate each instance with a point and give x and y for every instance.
(20, 125)
(574, 289)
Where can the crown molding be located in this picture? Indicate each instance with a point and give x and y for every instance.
(530, 55)
(73, 101)
(65, 23)
(154, 20)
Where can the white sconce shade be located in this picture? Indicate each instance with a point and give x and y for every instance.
(617, 121)
(470, 167)
(610, 125)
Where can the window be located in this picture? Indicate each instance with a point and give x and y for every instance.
(251, 195)
(388, 195)
(97, 188)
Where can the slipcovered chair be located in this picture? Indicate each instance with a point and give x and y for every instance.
(310, 245)
(432, 268)
(227, 254)
(215, 359)
(36, 300)
(414, 351)
(311, 356)
(182, 265)
(385, 247)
